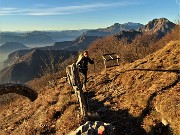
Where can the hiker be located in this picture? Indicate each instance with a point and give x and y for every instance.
(82, 64)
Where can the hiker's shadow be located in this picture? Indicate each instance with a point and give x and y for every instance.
(125, 123)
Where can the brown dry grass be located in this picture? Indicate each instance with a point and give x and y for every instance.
(133, 97)
(142, 86)
(43, 116)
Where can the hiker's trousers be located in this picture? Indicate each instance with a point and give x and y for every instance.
(84, 74)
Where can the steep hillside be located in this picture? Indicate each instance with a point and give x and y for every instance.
(138, 94)
(33, 64)
(137, 98)
(14, 56)
(128, 35)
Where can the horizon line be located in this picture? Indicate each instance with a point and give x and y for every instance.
(80, 28)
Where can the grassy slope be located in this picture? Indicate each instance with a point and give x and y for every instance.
(134, 97)
(140, 87)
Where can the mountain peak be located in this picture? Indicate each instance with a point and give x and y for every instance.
(160, 26)
(116, 24)
(161, 19)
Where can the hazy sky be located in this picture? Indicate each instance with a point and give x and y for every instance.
(25, 15)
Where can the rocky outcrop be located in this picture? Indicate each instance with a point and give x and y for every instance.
(94, 128)
(160, 26)
(128, 35)
(20, 89)
(14, 56)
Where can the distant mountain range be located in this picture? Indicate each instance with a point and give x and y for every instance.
(83, 37)
(114, 29)
(31, 39)
(30, 59)
(157, 27)
(128, 31)
(66, 35)
(39, 38)
(46, 38)
(10, 47)
(83, 41)
(80, 43)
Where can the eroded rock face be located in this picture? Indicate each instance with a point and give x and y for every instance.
(161, 26)
(20, 89)
(94, 128)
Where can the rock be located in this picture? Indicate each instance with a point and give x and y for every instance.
(164, 122)
(101, 130)
(20, 89)
(94, 128)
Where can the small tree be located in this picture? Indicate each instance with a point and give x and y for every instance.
(50, 67)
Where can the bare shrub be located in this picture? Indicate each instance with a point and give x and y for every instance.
(52, 72)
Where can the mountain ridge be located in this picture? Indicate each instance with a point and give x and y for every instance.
(10, 47)
(113, 29)
(32, 64)
(161, 26)
(31, 38)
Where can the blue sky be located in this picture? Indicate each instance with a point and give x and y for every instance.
(27, 15)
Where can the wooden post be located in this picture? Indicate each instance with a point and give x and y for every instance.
(74, 81)
(117, 59)
(104, 61)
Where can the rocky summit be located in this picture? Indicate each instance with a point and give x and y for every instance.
(160, 26)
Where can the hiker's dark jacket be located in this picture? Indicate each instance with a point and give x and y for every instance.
(83, 63)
